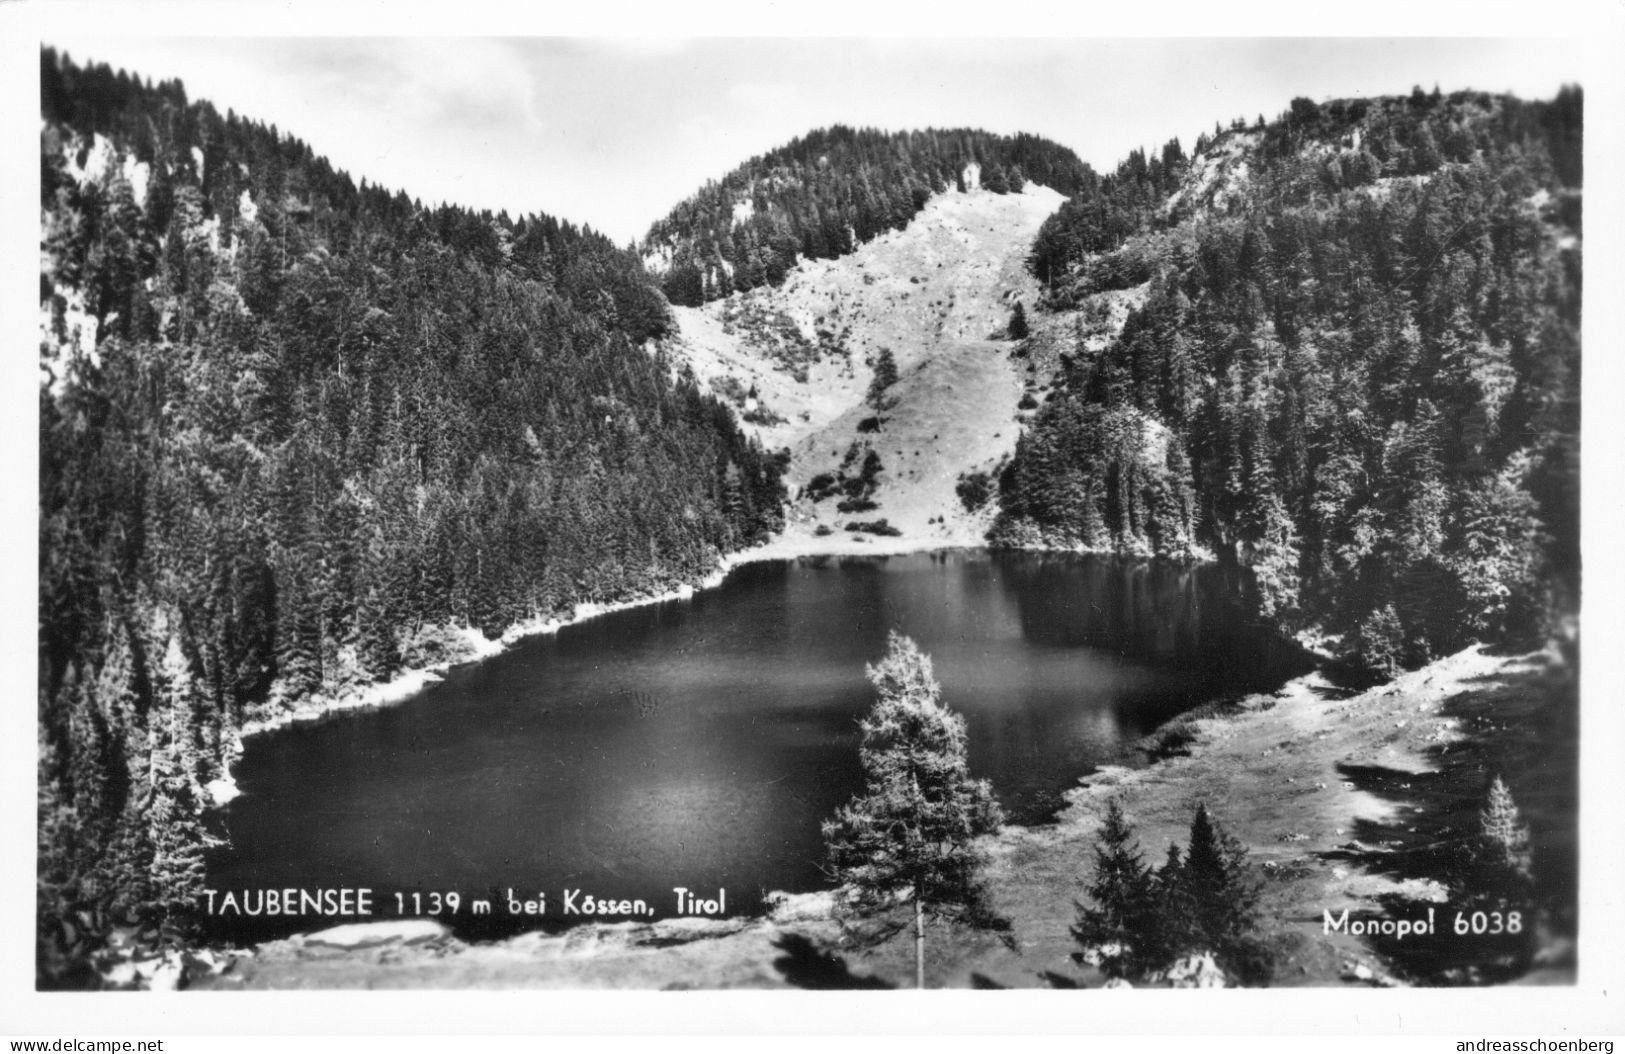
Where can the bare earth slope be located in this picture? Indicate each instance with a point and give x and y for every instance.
(938, 295)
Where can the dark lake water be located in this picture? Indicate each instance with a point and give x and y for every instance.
(699, 743)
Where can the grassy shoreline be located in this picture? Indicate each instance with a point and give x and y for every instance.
(1339, 797)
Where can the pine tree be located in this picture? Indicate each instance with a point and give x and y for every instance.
(885, 376)
(1502, 881)
(909, 839)
(1223, 895)
(173, 816)
(1120, 924)
(1018, 323)
(1176, 920)
(57, 890)
(1380, 642)
(1504, 836)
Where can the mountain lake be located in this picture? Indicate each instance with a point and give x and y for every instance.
(699, 743)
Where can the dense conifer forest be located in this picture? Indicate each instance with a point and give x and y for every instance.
(291, 430)
(823, 195)
(1355, 367)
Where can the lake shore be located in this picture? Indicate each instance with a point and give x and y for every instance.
(1313, 779)
(470, 645)
(465, 644)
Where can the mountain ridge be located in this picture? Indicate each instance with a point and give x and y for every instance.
(823, 194)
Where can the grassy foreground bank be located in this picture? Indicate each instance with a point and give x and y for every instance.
(1361, 801)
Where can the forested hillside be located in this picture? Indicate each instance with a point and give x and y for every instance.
(292, 429)
(1356, 369)
(821, 196)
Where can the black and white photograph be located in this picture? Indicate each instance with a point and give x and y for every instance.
(560, 511)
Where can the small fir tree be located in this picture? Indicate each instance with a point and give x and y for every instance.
(1503, 882)
(1141, 921)
(1504, 841)
(885, 376)
(909, 839)
(1380, 643)
(1176, 919)
(1119, 923)
(1223, 895)
(1018, 323)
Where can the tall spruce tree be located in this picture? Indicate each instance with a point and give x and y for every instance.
(909, 840)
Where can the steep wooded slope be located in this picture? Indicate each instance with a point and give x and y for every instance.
(291, 431)
(1355, 368)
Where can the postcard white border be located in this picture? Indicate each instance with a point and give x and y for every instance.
(1590, 1008)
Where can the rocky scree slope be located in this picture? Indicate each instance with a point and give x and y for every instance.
(799, 363)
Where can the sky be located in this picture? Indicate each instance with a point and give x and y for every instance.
(613, 132)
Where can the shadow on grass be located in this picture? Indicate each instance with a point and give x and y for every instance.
(1524, 728)
(805, 965)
